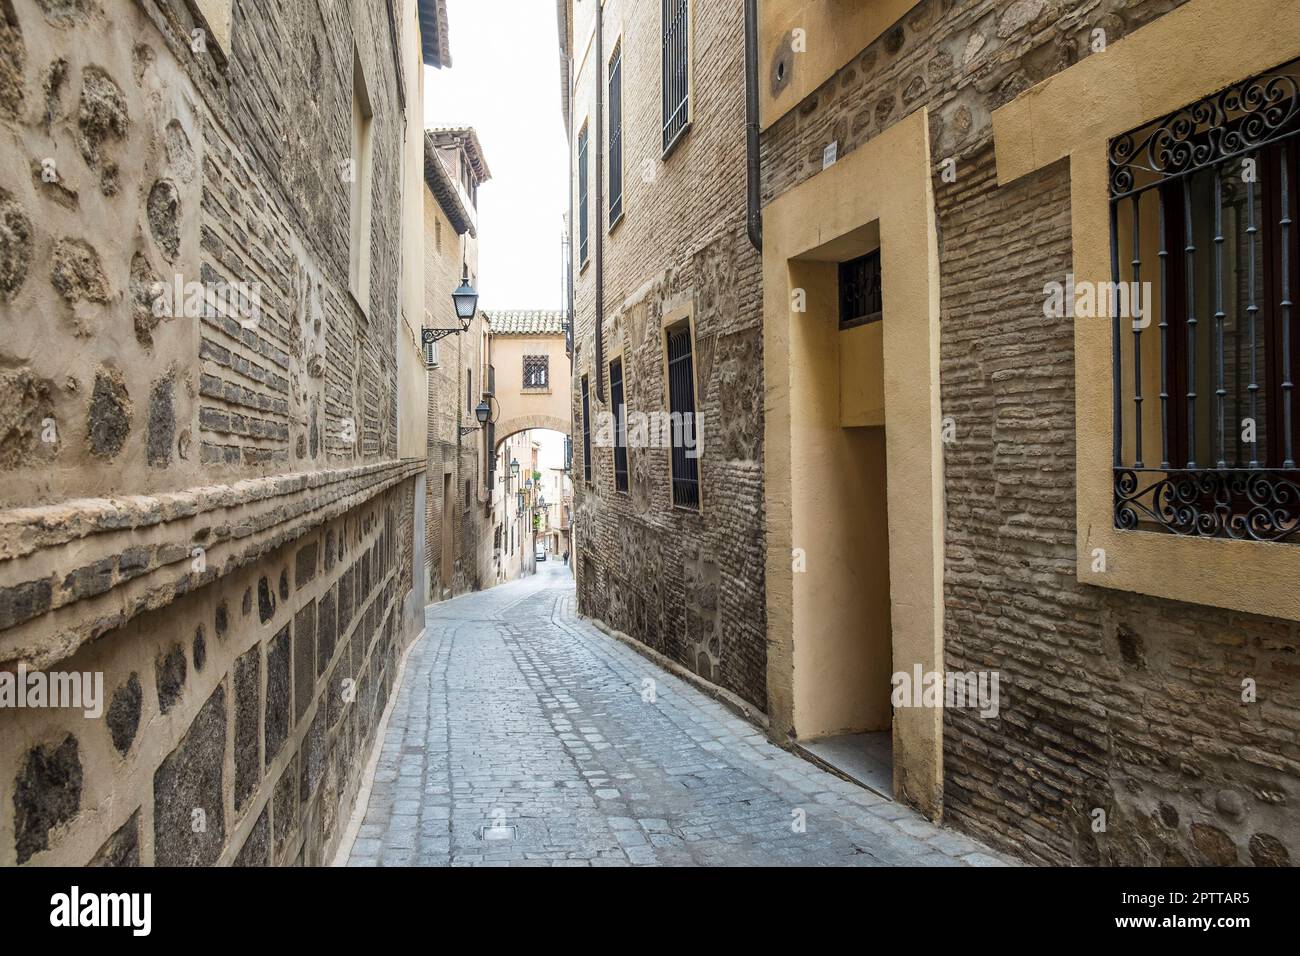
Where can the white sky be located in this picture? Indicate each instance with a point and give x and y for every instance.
(505, 82)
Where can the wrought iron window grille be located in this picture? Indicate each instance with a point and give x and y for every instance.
(583, 225)
(676, 70)
(586, 429)
(681, 402)
(616, 135)
(860, 292)
(620, 425)
(1209, 193)
(537, 371)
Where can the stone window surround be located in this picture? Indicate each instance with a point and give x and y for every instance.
(677, 310)
(887, 181)
(584, 410)
(617, 50)
(581, 203)
(360, 187)
(1073, 116)
(619, 356)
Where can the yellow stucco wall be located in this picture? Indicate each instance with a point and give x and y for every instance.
(521, 408)
(834, 32)
(862, 375)
(1075, 114)
(810, 498)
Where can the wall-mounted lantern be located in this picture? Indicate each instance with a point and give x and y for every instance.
(483, 412)
(465, 302)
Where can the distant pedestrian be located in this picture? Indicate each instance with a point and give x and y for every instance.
(566, 557)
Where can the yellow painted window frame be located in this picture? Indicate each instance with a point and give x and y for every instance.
(1187, 54)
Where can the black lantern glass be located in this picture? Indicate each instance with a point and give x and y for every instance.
(466, 300)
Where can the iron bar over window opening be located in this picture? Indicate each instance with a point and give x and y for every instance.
(583, 228)
(616, 134)
(586, 429)
(860, 293)
(620, 424)
(681, 407)
(537, 371)
(1208, 195)
(676, 70)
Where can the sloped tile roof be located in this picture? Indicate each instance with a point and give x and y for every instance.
(525, 321)
(465, 137)
(439, 180)
(433, 32)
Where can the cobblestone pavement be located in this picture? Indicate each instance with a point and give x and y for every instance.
(513, 713)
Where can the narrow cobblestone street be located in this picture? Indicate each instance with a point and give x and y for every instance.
(513, 713)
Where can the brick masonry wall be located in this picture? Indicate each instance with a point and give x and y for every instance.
(689, 585)
(450, 453)
(1112, 701)
(211, 513)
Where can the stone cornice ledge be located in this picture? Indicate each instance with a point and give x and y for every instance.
(73, 571)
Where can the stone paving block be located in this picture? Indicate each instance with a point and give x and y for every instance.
(515, 712)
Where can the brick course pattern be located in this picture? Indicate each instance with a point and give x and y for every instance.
(690, 585)
(209, 511)
(1122, 703)
(461, 457)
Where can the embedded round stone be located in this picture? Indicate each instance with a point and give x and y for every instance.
(47, 793)
(170, 672)
(124, 714)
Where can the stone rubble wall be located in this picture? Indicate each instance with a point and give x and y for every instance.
(210, 512)
(252, 701)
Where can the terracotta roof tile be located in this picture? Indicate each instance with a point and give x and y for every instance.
(525, 321)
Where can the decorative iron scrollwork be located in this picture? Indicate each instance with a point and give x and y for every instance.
(1234, 121)
(1245, 505)
(429, 336)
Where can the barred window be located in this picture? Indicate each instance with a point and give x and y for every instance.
(681, 407)
(586, 429)
(860, 299)
(430, 347)
(582, 195)
(537, 371)
(620, 424)
(1204, 262)
(676, 70)
(616, 134)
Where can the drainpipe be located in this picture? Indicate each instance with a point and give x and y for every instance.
(754, 199)
(600, 204)
(572, 224)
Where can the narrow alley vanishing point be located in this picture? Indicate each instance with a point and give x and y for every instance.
(524, 735)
